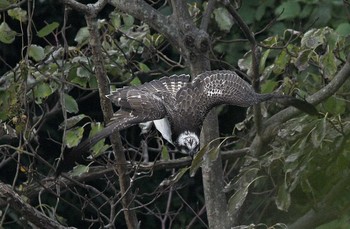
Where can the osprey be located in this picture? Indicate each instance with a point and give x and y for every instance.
(178, 106)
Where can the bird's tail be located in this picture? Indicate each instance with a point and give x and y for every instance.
(288, 100)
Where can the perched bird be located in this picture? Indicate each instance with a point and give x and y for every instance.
(178, 107)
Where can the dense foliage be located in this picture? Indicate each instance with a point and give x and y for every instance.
(49, 102)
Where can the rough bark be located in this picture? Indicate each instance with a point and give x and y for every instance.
(107, 109)
(9, 196)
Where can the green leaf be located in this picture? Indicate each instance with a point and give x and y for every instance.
(174, 178)
(7, 35)
(302, 61)
(18, 14)
(343, 29)
(41, 91)
(82, 36)
(135, 82)
(143, 67)
(128, 20)
(330, 67)
(71, 104)
(281, 62)
(335, 106)
(74, 136)
(47, 29)
(36, 52)
(80, 170)
(83, 72)
(269, 86)
(283, 199)
(223, 18)
(289, 9)
(242, 186)
(115, 19)
(198, 160)
(4, 4)
(312, 38)
(100, 146)
(165, 153)
(72, 121)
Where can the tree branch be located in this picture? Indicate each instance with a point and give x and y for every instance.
(7, 195)
(271, 125)
(207, 14)
(144, 12)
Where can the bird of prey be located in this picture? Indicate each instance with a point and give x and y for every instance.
(178, 107)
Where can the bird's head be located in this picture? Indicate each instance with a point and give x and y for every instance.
(188, 143)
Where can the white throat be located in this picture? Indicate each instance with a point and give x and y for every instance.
(188, 139)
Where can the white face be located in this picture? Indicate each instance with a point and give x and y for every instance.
(188, 143)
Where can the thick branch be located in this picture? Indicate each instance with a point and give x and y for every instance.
(144, 12)
(7, 195)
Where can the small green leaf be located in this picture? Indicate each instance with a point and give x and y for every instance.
(302, 61)
(281, 62)
(269, 86)
(179, 174)
(223, 18)
(71, 104)
(41, 91)
(343, 29)
(198, 160)
(47, 29)
(18, 14)
(288, 10)
(143, 67)
(4, 4)
(36, 52)
(7, 35)
(128, 20)
(242, 186)
(115, 19)
(283, 199)
(135, 82)
(74, 136)
(79, 170)
(100, 146)
(82, 36)
(72, 121)
(83, 72)
(312, 38)
(165, 153)
(335, 106)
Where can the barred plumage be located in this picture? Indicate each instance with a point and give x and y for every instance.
(182, 104)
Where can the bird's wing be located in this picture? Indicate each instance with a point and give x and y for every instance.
(213, 88)
(136, 106)
(166, 86)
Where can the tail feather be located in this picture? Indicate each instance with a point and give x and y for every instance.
(301, 105)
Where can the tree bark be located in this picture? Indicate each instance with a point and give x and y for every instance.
(27, 211)
(107, 109)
